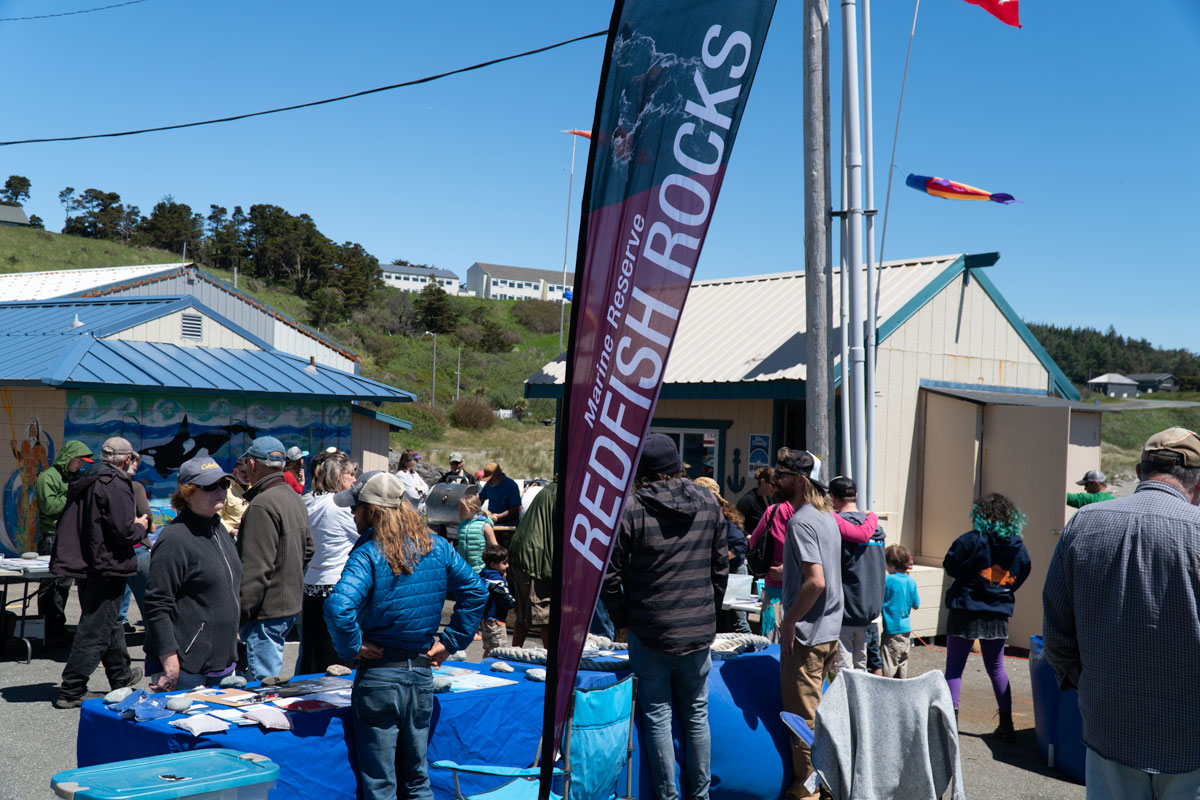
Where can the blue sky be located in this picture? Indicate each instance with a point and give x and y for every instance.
(1088, 114)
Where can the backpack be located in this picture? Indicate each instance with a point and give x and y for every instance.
(758, 560)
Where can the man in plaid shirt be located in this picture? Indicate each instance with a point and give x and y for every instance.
(1121, 625)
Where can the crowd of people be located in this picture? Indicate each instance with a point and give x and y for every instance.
(282, 540)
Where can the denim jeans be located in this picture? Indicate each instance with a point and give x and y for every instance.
(264, 645)
(663, 678)
(99, 637)
(135, 587)
(1109, 780)
(392, 708)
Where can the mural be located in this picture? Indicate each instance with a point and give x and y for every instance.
(33, 453)
(169, 429)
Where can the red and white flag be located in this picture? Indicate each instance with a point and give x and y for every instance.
(1007, 11)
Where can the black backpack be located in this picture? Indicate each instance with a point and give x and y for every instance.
(758, 560)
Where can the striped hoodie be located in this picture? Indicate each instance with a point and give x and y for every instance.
(669, 567)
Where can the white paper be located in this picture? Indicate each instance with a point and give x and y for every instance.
(738, 588)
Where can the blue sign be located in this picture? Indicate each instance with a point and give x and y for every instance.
(760, 450)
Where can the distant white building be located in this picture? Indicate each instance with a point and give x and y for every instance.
(498, 282)
(413, 279)
(1114, 385)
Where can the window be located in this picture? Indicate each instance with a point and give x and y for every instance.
(696, 446)
(191, 327)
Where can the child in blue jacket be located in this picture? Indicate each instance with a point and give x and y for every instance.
(500, 599)
(900, 598)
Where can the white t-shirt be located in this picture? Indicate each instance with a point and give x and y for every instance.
(334, 534)
(415, 489)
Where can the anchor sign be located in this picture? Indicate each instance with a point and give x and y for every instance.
(736, 482)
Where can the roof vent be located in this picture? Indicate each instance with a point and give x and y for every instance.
(76, 323)
(311, 369)
(192, 326)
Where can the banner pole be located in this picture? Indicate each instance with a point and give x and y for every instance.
(562, 300)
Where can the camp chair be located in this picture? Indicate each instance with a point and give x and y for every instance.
(798, 726)
(597, 746)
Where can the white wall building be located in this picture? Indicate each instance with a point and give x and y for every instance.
(498, 282)
(413, 279)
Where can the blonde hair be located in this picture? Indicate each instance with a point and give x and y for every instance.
(469, 506)
(401, 536)
(815, 497)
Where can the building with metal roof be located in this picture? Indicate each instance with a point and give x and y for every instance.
(14, 216)
(413, 279)
(1150, 382)
(1111, 384)
(175, 378)
(500, 282)
(734, 390)
(155, 280)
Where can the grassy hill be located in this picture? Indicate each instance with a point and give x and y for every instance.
(401, 360)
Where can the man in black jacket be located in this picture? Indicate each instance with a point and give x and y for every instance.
(94, 545)
(669, 564)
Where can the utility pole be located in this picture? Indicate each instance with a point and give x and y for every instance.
(458, 374)
(816, 226)
(854, 180)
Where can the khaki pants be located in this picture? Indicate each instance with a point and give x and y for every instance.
(801, 675)
(894, 650)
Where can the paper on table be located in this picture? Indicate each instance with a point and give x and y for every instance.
(738, 587)
(476, 680)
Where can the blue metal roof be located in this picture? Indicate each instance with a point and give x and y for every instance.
(39, 346)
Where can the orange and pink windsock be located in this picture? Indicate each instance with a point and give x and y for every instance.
(953, 190)
(577, 132)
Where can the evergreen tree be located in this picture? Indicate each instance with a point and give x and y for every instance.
(16, 190)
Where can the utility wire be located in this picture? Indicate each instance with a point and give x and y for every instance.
(72, 13)
(426, 79)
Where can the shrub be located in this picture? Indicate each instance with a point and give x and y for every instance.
(539, 316)
(473, 412)
(429, 422)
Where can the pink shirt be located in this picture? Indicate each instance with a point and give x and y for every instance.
(780, 513)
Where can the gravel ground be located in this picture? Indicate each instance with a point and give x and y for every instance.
(40, 740)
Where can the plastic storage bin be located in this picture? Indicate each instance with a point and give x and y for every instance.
(198, 774)
(1058, 725)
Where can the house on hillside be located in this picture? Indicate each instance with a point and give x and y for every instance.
(177, 379)
(413, 279)
(1150, 382)
(1110, 384)
(13, 216)
(498, 282)
(275, 328)
(967, 402)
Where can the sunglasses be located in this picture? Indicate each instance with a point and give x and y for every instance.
(781, 472)
(219, 486)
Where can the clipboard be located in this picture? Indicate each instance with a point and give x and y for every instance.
(224, 697)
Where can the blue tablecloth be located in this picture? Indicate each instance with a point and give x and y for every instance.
(750, 751)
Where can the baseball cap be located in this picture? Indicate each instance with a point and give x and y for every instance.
(456, 457)
(295, 454)
(266, 447)
(1174, 447)
(202, 471)
(1092, 476)
(116, 446)
(806, 464)
(843, 488)
(376, 488)
(490, 468)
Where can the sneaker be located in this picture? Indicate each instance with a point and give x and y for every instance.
(135, 675)
(75, 702)
(129, 626)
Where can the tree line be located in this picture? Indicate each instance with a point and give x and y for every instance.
(1085, 353)
(265, 242)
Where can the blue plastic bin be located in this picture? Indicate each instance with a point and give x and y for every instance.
(1058, 725)
(198, 774)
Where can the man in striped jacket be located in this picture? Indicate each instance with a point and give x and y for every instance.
(667, 574)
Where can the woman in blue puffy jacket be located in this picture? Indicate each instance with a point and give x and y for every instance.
(988, 565)
(385, 612)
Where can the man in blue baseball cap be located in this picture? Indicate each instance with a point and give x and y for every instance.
(274, 542)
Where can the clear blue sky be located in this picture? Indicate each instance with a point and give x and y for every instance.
(1088, 114)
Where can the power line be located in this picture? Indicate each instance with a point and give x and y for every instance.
(72, 13)
(426, 79)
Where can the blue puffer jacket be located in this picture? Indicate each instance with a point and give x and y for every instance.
(404, 611)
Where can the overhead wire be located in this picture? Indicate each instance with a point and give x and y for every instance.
(365, 92)
(72, 13)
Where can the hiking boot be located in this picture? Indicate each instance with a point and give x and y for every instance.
(62, 701)
(1005, 731)
(135, 675)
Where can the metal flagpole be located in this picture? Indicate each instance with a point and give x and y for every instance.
(855, 227)
(844, 310)
(562, 299)
(866, 483)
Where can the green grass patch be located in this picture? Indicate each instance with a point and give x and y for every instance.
(523, 449)
(33, 250)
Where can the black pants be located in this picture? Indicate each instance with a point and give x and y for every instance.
(316, 647)
(100, 638)
(52, 597)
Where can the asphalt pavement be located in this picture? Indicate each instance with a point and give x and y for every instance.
(39, 740)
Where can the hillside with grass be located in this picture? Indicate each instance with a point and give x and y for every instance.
(485, 350)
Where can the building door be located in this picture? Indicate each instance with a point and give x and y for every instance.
(698, 448)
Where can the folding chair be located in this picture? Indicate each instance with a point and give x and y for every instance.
(597, 747)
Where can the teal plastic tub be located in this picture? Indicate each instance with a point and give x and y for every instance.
(197, 774)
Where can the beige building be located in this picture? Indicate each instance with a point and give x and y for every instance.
(734, 391)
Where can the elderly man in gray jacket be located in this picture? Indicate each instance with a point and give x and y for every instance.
(275, 544)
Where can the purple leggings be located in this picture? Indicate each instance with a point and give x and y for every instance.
(957, 650)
